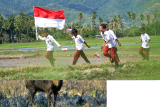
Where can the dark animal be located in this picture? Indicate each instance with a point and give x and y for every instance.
(48, 86)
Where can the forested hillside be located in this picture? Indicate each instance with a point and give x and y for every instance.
(104, 8)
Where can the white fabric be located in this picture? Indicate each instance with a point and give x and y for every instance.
(114, 36)
(79, 42)
(104, 37)
(45, 22)
(145, 37)
(110, 38)
(49, 41)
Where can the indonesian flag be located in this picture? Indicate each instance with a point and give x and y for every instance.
(64, 49)
(49, 18)
(68, 28)
(97, 55)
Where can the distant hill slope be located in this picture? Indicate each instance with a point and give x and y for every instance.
(105, 8)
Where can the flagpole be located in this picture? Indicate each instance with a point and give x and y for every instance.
(36, 34)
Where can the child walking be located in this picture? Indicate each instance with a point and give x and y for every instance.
(145, 39)
(79, 46)
(50, 46)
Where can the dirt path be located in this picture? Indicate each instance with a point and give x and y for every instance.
(61, 61)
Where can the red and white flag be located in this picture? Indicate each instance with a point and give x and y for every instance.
(49, 18)
(97, 55)
(64, 49)
(68, 28)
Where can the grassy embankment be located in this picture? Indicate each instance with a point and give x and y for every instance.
(129, 70)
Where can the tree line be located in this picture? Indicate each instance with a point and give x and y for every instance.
(20, 28)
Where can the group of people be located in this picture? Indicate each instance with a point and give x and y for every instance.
(110, 43)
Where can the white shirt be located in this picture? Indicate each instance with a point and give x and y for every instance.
(104, 37)
(107, 36)
(145, 38)
(114, 36)
(49, 41)
(79, 42)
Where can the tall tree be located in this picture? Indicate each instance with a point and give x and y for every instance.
(11, 20)
(141, 18)
(133, 19)
(129, 16)
(148, 19)
(107, 21)
(93, 16)
(100, 20)
(155, 20)
(119, 20)
(1, 22)
(80, 16)
(114, 23)
(1, 25)
(29, 23)
(20, 22)
(158, 15)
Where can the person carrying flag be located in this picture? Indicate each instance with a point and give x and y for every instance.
(50, 46)
(79, 46)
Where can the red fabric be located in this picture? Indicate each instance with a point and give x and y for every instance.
(46, 13)
(112, 55)
(105, 52)
(77, 55)
(68, 28)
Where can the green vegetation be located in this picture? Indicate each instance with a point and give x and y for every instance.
(18, 26)
(132, 68)
(104, 9)
(91, 42)
(135, 70)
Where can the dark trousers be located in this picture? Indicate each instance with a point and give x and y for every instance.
(49, 56)
(145, 55)
(78, 54)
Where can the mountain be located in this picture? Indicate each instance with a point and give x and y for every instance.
(104, 8)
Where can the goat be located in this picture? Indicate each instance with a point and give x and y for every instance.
(48, 86)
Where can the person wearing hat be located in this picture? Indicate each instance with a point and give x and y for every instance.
(50, 45)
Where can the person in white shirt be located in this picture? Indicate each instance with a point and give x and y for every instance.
(108, 43)
(115, 40)
(79, 46)
(145, 39)
(50, 46)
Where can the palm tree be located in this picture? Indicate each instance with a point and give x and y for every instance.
(119, 20)
(107, 21)
(80, 16)
(158, 15)
(115, 22)
(100, 20)
(112, 24)
(154, 20)
(128, 15)
(20, 22)
(1, 25)
(11, 25)
(133, 19)
(29, 22)
(148, 19)
(141, 18)
(1, 22)
(93, 16)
